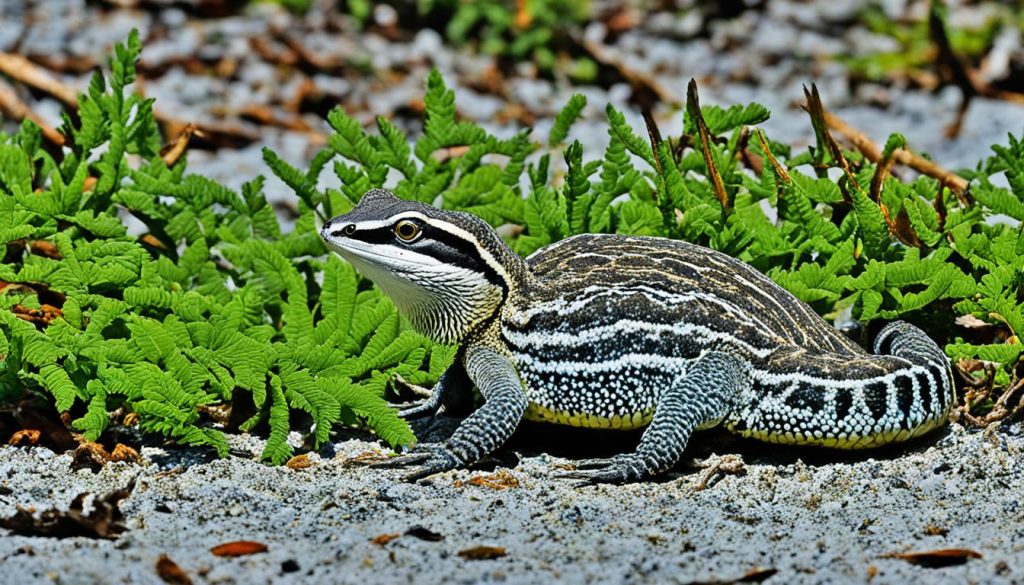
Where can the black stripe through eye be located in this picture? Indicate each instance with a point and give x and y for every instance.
(348, 230)
(444, 246)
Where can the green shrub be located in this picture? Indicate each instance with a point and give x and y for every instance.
(212, 301)
(213, 304)
(868, 243)
(538, 31)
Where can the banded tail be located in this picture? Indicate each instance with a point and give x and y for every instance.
(849, 402)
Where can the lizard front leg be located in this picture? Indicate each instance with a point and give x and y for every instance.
(699, 398)
(483, 431)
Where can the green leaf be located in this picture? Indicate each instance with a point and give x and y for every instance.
(277, 450)
(565, 118)
(723, 120)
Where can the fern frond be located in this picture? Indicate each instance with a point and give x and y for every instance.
(565, 119)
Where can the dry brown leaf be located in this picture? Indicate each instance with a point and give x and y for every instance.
(442, 154)
(44, 315)
(238, 548)
(226, 67)
(89, 454)
(306, 88)
(903, 229)
(125, 453)
(171, 153)
(500, 480)
(482, 553)
(382, 539)
(943, 557)
(300, 462)
(152, 241)
(24, 438)
(44, 248)
(423, 533)
(170, 572)
(623, 19)
(523, 17)
(755, 575)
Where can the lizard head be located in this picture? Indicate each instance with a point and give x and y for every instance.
(446, 271)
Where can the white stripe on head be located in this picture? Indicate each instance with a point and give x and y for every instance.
(485, 255)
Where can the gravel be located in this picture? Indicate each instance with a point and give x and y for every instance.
(810, 516)
(799, 516)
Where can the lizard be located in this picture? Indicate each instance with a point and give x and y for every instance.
(628, 332)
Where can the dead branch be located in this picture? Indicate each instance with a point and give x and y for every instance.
(957, 71)
(13, 107)
(24, 71)
(173, 152)
(21, 69)
(641, 82)
(873, 153)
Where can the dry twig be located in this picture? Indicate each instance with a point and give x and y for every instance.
(13, 107)
(873, 153)
(641, 82)
(21, 69)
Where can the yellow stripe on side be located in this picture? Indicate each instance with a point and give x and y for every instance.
(842, 442)
(536, 412)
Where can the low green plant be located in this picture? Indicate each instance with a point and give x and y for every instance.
(209, 304)
(866, 244)
(519, 30)
(212, 305)
(915, 52)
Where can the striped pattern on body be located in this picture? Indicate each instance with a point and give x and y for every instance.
(611, 322)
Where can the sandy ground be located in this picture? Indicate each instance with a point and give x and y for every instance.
(810, 516)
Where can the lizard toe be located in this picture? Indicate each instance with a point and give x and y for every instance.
(418, 410)
(599, 462)
(439, 461)
(618, 469)
(402, 460)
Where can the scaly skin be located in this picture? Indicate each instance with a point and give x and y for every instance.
(623, 332)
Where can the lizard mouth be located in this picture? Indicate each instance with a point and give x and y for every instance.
(391, 257)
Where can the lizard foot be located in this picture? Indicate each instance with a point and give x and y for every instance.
(619, 469)
(599, 462)
(431, 459)
(416, 389)
(416, 410)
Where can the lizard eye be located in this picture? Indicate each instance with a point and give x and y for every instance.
(406, 230)
(349, 229)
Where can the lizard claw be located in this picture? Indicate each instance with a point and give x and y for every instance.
(619, 469)
(430, 460)
(418, 410)
(413, 388)
(401, 460)
(598, 462)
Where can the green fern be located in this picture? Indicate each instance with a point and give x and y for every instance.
(570, 113)
(216, 306)
(150, 330)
